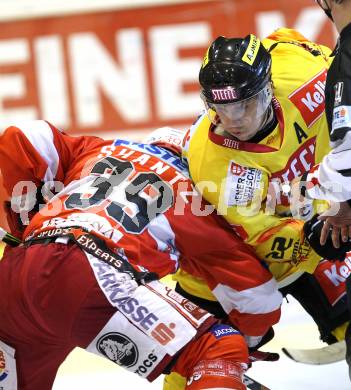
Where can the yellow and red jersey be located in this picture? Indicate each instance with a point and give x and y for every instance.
(139, 199)
(244, 180)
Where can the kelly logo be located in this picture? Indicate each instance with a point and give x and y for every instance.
(338, 273)
(302, 160)
(310, 98)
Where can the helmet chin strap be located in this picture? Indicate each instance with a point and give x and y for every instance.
(327, 10)
(269, 119)
(328, 13)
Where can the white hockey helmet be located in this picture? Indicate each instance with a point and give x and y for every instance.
(168, 138)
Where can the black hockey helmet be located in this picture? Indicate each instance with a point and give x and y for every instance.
(234, 69)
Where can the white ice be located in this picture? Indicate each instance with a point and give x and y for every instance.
(296, 329)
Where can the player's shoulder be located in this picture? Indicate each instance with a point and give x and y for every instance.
(201, 124)
(285, 41)
(25, 127)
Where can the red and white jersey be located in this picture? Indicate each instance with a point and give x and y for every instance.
(139, 199)
(329, 179)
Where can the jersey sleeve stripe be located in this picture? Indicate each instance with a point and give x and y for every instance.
(41, 137)
(161, 231)
(254, 324)
(262, 299)
(333, 173)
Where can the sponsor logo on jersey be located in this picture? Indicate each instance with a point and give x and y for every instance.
(87, 242)
(231, 143)
(165, 155)
(283, 248)
(338, 89)
(146, 364)
(242, 183)
(301, 251)
(3, 370)
(279, 246)
(306, 212)
(332, 278)
(112, 282)
(205, 60)
(117, 293)
(252, 50)
(217, 368)
(337, 273)
(301, 161)
(341, 117)
(54, 233)
(187, 305)
(137, 312)
(310, 98)
(97, 222)
(223, 330)
(237, 169)
(163, 333)
(224, 94)
(118, 348)
(195, 377)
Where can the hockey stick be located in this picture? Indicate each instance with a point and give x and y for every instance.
(329, 354)
(8, 238)
(256, 356)
(252, 384)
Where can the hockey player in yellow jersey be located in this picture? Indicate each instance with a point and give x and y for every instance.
(264, 125)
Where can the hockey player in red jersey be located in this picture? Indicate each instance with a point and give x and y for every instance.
(122, 216)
